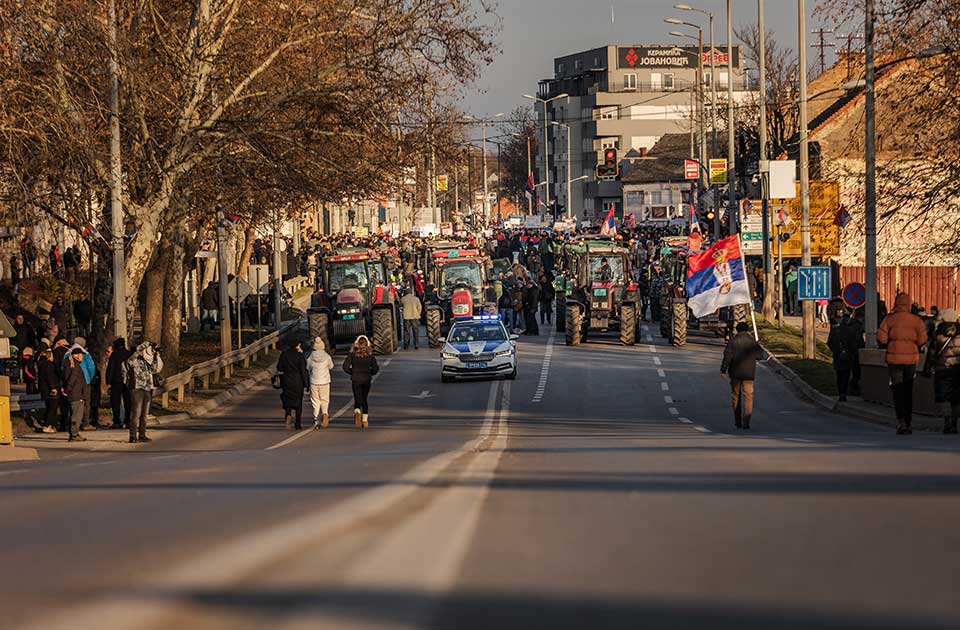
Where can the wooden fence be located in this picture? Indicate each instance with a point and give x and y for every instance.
(927, 286)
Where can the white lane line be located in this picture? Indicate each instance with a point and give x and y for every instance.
(685, 420)
(703, 429)
(545, 368)
(653, 349)
(159, 457)
(661, 374)
(13, 472)
(668, 400)
(248, 555)
(347, 407)
(665, 386)
(112, 461)
(656, 361)
(673, 411)
(801, 440)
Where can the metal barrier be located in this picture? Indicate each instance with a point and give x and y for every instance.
(295, 284)
(25, 402)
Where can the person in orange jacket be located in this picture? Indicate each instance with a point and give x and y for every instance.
(904, 336)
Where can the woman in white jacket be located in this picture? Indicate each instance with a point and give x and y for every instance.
(319, 365)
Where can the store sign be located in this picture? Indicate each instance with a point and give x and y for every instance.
(691, 169)
(718, 171)
(443, 183)
(671, 57)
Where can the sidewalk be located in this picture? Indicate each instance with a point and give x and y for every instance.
(797, 322)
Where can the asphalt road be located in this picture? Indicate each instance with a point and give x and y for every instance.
(605, 487)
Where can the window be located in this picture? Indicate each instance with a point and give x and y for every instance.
(596, 62)
(668, 81)
(577, 64)
(610, 143)
(724, 77)
(609, 113)
(656, 197)
(560, 68)
(630, 82)
(656, 81)
(707, 78)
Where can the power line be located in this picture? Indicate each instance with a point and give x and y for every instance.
(822, 44)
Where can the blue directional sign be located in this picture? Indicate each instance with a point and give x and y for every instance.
(814, 283)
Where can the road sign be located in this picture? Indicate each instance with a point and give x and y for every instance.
(443, 183)
(814, 283)
(824, 232)
(691, 169)
(718, 171)
(855, 295)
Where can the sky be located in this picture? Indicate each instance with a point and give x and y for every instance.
(534, 32)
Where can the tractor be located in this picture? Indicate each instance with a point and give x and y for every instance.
(595, 300)
(354, 300)
(458, 275)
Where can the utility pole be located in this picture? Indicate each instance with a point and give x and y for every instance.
(530, 172)
(822, 44)
(470, 186)
(401, 178)
(116, 185)
(769, 280)
(849, 37)
(731, 140)
(809, 338)
(498, 181)
(486, 195)
(277, 277)
(713, 87)
(701, 103)
(870, 179)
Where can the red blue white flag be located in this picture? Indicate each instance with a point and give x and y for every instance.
(716, 278)
(609, 227)
(843, 217)
(530, 187)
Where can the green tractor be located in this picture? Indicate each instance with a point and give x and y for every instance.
(596, 297)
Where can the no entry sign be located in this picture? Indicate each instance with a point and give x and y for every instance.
(855, 295)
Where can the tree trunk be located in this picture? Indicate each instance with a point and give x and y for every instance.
(248, 238)
(173, 252)
(153, 310)
(102, 299)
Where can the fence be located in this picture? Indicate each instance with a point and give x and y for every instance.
(927, 286)
(295, 284)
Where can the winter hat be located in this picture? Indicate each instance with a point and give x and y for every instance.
(80, 341)
(76, 351)
(949, 315)
(318, 343)
(27, 352)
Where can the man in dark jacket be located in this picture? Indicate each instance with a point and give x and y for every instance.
(844, 346)
(120, 400)
(740, 364)
(292, 369)
(26, 337)
(210, 302)
(75, 389)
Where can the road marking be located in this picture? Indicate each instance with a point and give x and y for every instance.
(673, 411)
(656, 361)
(665, 386)
(703, 429)
(159, 457)
(653, 349)
(545, 368)
(661, 374)
(423, 395)
(112, 461)
(801, 440)
(13, 472)
(668, 400)
(347, 407)
(685, 420)
(246, 556)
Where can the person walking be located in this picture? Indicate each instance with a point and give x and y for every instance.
(210, 301)
(139, 372)
(89, 374)
(319, 365)
(531, 300)
(507, 299)
(943, 361)
(362, 366)
(844, 346)
(904, 335)
(292, 370)
(119, 392)
(547, 297)
(412, 310)
(740, 364)
(48, 382)
(74, 389)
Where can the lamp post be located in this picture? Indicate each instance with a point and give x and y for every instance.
(731, 148)
(529, 167)
(809, 338)
(702, 153)
(768, 280)
(713, 72)
(546, 143)
(569, 174)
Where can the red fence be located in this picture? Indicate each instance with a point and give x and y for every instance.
(927, 286)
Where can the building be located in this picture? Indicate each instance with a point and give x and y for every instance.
(627, 98)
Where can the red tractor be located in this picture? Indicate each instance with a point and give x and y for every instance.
(458, 275)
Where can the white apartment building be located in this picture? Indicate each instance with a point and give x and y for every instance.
(625, 97)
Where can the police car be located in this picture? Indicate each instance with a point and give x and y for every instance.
(477, 347)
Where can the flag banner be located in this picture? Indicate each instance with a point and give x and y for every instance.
(609, 227)
(843, 218)
(530, 187)
(717, 278)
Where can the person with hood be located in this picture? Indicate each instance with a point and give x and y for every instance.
(119, 392)
(74, 389)
(904, 335)
(139, 371)
(48, 382)
(943, 362)
(844, 346)
(740, 363)
(362, 366)
(90, 376)
(28, 366)
(319, 365)
(292, 370)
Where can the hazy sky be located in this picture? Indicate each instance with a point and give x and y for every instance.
(536, 31)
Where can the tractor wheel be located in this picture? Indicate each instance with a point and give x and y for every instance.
(319, 325)
(741, 313)
(628, 324)
(573, 315)
(678, 316)
(558, 312)
(383, 332)
(434, 321)
(665, 319)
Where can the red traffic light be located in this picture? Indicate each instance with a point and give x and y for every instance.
(610, 157)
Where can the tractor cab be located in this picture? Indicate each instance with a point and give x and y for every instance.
(459, 277)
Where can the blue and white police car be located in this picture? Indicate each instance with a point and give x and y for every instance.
(479, 346)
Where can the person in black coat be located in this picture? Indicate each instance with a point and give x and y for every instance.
(531, 300)
(362, 366)
(292, 369)
(48, 382)
(119, 392)
(740, 364)
(844, 345)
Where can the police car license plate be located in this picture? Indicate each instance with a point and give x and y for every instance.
(349, 317)
(476, 366)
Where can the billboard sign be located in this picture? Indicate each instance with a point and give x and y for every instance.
(718, 171)
(632, 57)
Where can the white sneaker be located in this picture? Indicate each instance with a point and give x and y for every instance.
(49, 429)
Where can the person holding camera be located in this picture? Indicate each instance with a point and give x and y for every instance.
(140, 373)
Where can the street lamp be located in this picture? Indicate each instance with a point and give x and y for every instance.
(546, 143)
(713, 71)
(529, 167)
(702, 153)
(569, 181)
(483, 129)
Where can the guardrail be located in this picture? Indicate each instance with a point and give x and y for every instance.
(25, 402)
(217, 368)
(295, 284)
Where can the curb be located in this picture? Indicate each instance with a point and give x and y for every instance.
(18, 454)
(207, 406)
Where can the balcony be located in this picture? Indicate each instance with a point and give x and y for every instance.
(678, 85)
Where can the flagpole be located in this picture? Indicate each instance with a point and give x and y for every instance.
(753, 314)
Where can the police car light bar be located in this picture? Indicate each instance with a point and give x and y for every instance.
(486, 318)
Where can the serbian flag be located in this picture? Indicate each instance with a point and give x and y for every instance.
(716, 278)
(528, 191)
(609, 227)
(843, 217)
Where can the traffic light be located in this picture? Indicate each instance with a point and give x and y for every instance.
(610, 169)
